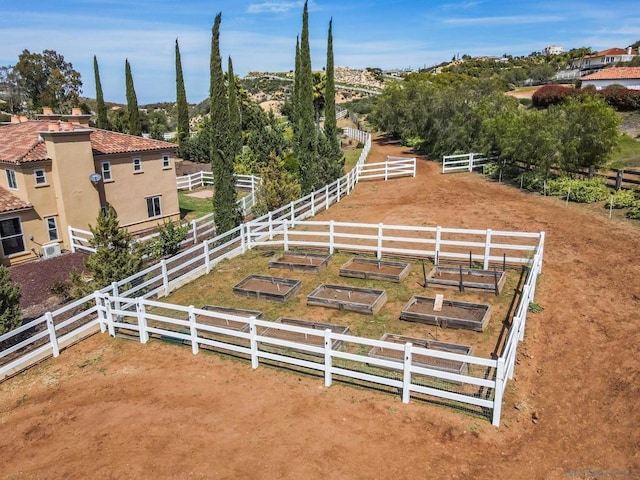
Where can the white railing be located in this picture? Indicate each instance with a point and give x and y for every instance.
(393, 167)
(465, 162)
(204, 179)
(47, 335)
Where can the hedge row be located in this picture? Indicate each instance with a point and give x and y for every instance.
(617, 96)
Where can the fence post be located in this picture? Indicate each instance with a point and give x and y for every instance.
(195, 231)
(349, 182)
(207, 261)
(380, 227)
(116, 294)
(326, 196)
(386, 170)
(100, 306)
(193, 330)
(109, 314)
(253, 342)
(285, 227)
(142, 321)
(331, 247)
(619, 177)
(270, 225)
(293, 215)
(487, 249)
(313, 204)
(406, 376)
(438, 238)
(541, 251)
(52, 334)
(499, 393)
(471, 155)
(72, 245)
(328, 359)
(247, 232)
(242, 241)
(244, 206)
(165, 277)
(338, 190)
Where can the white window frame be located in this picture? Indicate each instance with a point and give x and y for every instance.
(106, 172)
(166, 161)
(18, 235)
(137, 164)
(12, 180)
(154, 204)
(36, 177)
(52, 229)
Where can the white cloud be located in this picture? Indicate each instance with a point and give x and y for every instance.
(274, 7)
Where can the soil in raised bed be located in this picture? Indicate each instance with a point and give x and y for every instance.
(450, 311)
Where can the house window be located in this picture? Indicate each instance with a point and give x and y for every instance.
(40, 176)
(165, 161)
(106, 171)
(11, 236)
(137, 165)
(153, 206)
(52, 228)
(12, 182)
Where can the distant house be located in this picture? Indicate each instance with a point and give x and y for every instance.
(553, 50)
(55, 174)
(626, 76)
(603, 59)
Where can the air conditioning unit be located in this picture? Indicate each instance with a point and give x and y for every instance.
(51, 250)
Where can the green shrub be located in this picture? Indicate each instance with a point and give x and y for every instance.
(622, 199)
(531, 181)
(579, 191)
(634, 211)
(493, 170)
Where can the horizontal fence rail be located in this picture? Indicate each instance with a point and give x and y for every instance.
(126, 305)
(466, 162)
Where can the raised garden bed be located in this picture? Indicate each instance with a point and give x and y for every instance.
(452, 366)
(469, 316)
(316, 340)
(467, 278)
(307, 262)
(223, 322)
(361, 300)
(371, 269)
(267, 288)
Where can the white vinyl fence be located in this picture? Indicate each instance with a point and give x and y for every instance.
(393, 167)
(126, 305)
(465, 162)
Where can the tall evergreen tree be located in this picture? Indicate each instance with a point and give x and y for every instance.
(103, 120)
(306, 135)
(10, 313)
(181, 100)
(235, 123)
(296, 85)
(135, 124)
(225, 208)
(330, 126)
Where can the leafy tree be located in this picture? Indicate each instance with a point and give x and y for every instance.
(330, 126)
(225, 208)
(171, 235)
(134, 122)
(117, 256)
(10, 313)
(181, 100)
(47, 80)
(319, 89)
(119, 120)
(157, 124)
(11, 89)
(197, 148)
(278, 187)
(103, 120)
(235, 124)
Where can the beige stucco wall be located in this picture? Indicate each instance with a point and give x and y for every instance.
(32, 226)
(128, 190)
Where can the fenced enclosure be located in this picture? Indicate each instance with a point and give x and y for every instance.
(465, 162)
(126, 304)
(205, 179)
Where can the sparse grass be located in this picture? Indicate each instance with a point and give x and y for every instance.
(350, 158)
(627, 154)
(191, 207)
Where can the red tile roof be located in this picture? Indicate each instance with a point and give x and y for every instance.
(9, 202)
(614, 73)
(610, 52)
(21, 142)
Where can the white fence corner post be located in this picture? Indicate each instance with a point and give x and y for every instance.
(331, 230)
(380, 234)
(72, 244)
(253, 342)
(349, 181)
(195, 347)
(499, 393)
(487, 249)
(313, 204)
(207, 260)
(293, 215)
(165, 277)
(541, 250)
(471, 155)
(116, 294)
(101, 311)
(243, 247)
(142, 320)
(438, 239)
(52, 334)
(195, 231)
(414, 167)
(285, 232)
(328, 359)
(270, 225)
(386, 170)
(326, 196)
(338, 190)
(406, 376)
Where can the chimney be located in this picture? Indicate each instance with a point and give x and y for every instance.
(76, 111)
(47, 111)
(15, 119)
(54, 127)
(66, 126)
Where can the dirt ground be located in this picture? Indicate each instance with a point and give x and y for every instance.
(112, 408)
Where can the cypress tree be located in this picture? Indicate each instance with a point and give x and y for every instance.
(306, 144)
(181, 100)
(102, 120)
(225, 208)
(135, 124)
(330, 126)
(235, 125)
(296, 85)
(10, 313)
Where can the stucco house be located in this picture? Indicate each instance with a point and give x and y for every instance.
(626, 76)
(603, 59)
(55, 174)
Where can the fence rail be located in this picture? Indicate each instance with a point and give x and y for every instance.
(466, 162)
(393, 167)
(124, 304)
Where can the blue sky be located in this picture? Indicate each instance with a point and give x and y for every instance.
(260, 34)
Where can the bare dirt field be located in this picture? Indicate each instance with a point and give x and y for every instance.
(112, 408)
